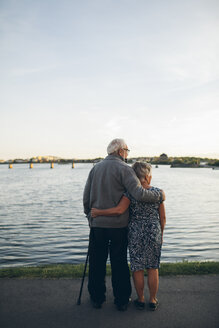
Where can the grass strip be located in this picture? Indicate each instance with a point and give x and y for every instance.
(76, 270)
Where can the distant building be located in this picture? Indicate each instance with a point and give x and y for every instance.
(34, 160)
(44, 159)
(20, 160)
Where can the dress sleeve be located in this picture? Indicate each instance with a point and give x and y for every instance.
(127, 194)
(157, 190)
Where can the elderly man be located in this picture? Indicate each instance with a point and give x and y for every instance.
(105, 186)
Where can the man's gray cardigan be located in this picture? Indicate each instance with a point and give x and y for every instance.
(105, 186)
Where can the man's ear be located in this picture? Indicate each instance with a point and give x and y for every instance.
(148, 179)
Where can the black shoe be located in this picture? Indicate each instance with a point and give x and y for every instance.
(122, 307)
(139, 305)
(96, 305)
(153, 306)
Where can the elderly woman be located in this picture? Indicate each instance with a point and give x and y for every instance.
(146, 226)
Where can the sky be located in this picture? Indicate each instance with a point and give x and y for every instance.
(76, 74)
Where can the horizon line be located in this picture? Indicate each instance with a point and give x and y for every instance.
(96, 157)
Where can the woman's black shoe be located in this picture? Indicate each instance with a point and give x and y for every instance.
(153, 306)
(139, 305)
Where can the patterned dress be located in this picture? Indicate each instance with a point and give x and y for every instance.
(144, 236)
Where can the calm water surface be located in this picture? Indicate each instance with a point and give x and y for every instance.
(42, 220)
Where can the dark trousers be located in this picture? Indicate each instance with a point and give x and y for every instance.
(114, 242)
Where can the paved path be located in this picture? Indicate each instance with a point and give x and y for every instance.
(185, 301)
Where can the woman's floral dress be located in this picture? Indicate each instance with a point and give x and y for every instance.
(144, 236)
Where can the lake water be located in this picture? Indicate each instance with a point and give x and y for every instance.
(42, 220)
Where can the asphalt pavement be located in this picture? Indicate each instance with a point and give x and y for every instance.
(185, 301)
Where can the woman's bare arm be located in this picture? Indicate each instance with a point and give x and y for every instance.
(162, 215)
(114, 211)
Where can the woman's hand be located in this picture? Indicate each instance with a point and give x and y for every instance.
(148, 187)
(94, 212)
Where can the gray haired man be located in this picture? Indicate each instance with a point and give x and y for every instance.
(105, 186)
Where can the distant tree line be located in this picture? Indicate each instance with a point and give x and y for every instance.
(163, 159)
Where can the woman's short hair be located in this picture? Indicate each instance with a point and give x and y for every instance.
(115, 145)
(142, 169)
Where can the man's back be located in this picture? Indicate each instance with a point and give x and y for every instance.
(104, 189)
